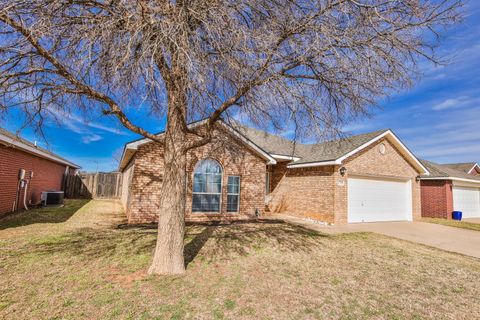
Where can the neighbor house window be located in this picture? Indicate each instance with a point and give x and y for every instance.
(207, 186)
(233, 193)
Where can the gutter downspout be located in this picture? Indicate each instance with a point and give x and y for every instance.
(17, 194)
(25, 195)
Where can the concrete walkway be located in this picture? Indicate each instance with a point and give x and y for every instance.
(447, 238)
(472, 220)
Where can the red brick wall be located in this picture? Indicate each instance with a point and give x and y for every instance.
(47, 175)
(437, 198)
(146, 183)
(303, 192)
(391, 164)
(127, 175)
(321, 193)
(318, 192)
(475, 171)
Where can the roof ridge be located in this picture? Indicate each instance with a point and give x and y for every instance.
(456, 163)
(465, 167)
(277, 136)
(434, 164)
(18, 138)
(314, 144)
(236, 125)
(447, 172)
(376, 132)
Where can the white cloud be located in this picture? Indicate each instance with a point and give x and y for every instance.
(451, 103)
(439, 76)
(89, 131)
(366, 125)
(447, 104)
(71, 119)
(240, 116)
(451, 138)
(72, 126)
(287, 133)
(91, 138)
(452, 153)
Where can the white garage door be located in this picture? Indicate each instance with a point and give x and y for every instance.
(467, 200)
(372, 200)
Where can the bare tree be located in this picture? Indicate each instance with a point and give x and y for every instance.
(318, 63)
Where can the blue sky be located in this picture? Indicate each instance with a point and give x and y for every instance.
(438, 118)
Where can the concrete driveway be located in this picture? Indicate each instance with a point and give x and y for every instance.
(472, 220)
(447, 238)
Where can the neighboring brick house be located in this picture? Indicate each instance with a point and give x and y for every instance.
(451, 187)
(44, 171)
(471, 168)
(246, 172)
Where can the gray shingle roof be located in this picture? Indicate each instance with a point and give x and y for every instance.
(307, 153)
(326, 151)
(332, 150)
(445, 171)
(465, 167)
(271, 143)
(14, 137)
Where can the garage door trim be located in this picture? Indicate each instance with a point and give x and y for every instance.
(374, 207)
(469, 209)
(377, 177)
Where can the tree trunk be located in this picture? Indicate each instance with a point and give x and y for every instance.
(168, 258)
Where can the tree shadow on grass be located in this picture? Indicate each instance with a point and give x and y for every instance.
(93, 243)
(193, 247)
(43, 215)
(239, 238)
(209, 243)
(220, 242)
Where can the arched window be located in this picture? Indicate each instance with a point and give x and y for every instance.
(207, 186)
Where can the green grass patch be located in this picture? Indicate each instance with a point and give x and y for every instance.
(454, 223)
(43, 215)
(80, 270)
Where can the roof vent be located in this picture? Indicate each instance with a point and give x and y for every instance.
(382, 149)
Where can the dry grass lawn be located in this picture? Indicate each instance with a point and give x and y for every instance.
(454, 223)
(85, 267)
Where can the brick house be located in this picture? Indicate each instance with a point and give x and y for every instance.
(44, 171)
(470, 168)
(451, 187)
(244, 173)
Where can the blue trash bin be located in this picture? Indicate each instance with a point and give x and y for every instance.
(457, 215)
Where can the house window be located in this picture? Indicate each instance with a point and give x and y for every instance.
(233, 193)
(207, 186)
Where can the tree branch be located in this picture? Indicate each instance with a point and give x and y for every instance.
(82, 87)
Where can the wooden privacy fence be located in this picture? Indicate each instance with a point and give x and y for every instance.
(93, 185)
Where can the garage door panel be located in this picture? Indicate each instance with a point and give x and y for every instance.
(467, 200)
(372, 200)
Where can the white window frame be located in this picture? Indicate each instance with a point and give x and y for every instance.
(234, 194)
(211, 193)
